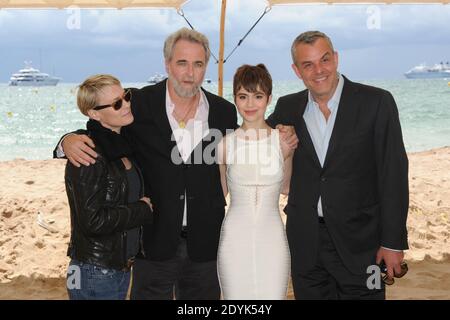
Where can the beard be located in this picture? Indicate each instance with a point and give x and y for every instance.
(182, 92)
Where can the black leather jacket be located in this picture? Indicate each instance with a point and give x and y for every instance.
(99, 212)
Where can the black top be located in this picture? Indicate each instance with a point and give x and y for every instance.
(134, 187)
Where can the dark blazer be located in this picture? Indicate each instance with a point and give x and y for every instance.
(151, 137)
(363, 183)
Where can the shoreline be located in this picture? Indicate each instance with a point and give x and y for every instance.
(33, 259)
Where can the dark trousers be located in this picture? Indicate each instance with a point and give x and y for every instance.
(330, 279)
(179, 277)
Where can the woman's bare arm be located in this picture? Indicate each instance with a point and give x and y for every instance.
(288, 155)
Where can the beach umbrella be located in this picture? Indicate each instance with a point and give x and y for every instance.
(177, 4)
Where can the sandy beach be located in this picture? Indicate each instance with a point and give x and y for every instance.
(33, 258)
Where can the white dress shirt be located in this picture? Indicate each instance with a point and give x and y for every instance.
(191, 135)
(319, 128)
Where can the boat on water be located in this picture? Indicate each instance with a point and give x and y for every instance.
(32, 77)
(158, 77)
(439, 70)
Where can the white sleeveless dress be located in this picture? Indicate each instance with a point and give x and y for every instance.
(253, 258)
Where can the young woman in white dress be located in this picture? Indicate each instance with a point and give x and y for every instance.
(253, 257)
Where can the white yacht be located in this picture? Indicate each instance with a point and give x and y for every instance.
(439, 70)
(156, 78)
(30, 76)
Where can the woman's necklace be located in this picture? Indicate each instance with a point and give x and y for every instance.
(182, 120)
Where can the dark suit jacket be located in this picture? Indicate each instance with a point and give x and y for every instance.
(363, 183)
(165, 181)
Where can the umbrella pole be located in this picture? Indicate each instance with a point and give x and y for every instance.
(221, 46)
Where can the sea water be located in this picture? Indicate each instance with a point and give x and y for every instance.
(33, 119)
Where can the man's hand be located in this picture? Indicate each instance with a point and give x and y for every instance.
(79, 149)
(392, 259)
(288, 135)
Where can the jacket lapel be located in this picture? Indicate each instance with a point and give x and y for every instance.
(303, 134)
(344, 119)
(213, 116)
(160, 114)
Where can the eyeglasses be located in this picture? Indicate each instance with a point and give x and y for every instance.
(390, 281)
(118, 103)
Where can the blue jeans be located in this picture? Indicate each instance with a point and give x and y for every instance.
(88, 282)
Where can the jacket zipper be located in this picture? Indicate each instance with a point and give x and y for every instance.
(124, 233)
(141, 241)
(141, 229)
(71, 249)
(124, 246)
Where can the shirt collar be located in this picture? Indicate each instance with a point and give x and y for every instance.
(203, 105)
(334, 101)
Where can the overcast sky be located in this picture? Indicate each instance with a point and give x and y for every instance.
(373, 42)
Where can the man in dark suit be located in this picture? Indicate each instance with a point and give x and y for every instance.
(348, 198)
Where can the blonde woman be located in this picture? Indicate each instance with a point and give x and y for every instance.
(107, 206)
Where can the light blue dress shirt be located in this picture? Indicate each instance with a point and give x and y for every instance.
(319, 128)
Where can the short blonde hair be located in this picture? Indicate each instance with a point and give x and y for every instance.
(189, 35)
(88, 91)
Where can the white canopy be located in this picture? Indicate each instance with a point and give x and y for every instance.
(275, 2)
(91, 4)
(171, 3)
